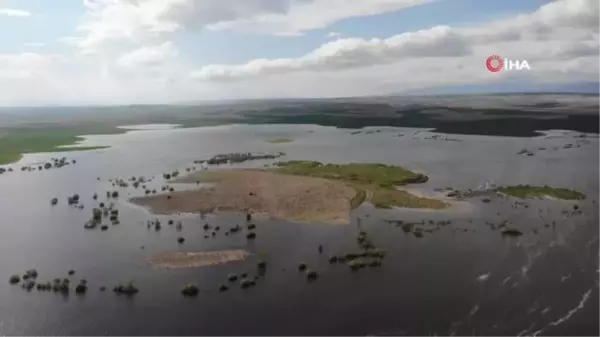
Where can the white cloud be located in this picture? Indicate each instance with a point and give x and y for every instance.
(14, 12)
(440, 41)
(141, 20)
(303, 16)
(333, 34)
(560, 30)
(148, 55)
(26, 65)
(132, 20)
(134, 60)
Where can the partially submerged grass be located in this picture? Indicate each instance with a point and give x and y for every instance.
(7, 158)
(22, 141)
(279, 140)
(367, 174)
(389, 198)
(527, 192)
(375, 183)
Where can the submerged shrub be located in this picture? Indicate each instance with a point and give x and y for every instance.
(311, 274)
(189, 290)
(14, 279)
(246, 283)
(28, 285)
(232, 277)
(80, 288)
(262, 264)
(127, 289)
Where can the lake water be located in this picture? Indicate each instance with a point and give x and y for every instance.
(463, 279)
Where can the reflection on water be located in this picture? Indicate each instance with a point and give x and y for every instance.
(463, 279)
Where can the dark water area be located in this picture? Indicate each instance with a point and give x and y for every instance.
(464, 278)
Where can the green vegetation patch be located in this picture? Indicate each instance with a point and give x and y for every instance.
(387, 198)
(375, 183)
(528, 192)
(279, 140)
(7, 158)
(14, 144)
(380, 175)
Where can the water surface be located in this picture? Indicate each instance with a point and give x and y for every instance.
(463, 279)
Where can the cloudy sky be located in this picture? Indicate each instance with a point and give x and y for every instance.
(167, 51)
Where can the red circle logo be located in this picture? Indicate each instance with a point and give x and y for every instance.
(494, 63)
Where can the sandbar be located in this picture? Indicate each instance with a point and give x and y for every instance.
(196, 259)
(263, 193)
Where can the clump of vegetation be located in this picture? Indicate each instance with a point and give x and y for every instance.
(527, 191)
(232, 277)
(127, 289)
(181, 239)
(508, 231)
(311, 274)
(356, 264)
(103, 227)
(71, 272)
(81, 288)
(61, 285)
(54, 201)
(44, 286)
(376, 253)
(251, 235)
(189, 290)
(261, 264)
(333, 259)
(247, 283)
(279, 140)
(31, 273)
(251, 226)
(14, 279)
(381, 180)
(28, 285)
(302, 266)
(97, 214)
(223, 287)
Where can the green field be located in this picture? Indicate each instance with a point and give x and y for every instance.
(528, 192)
(16, 143)
(375, 183)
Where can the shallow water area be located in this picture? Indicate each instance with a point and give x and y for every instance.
(463, 277)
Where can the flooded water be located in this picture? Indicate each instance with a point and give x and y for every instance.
(462, 279)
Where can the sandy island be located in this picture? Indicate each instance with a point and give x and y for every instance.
(268, 194)
(303, 191)
(196, 260)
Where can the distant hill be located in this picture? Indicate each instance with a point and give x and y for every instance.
(507, 87)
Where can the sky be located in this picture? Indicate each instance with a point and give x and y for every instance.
(105, 52)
